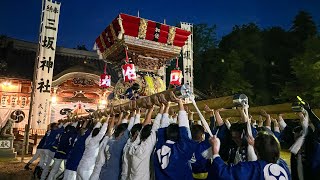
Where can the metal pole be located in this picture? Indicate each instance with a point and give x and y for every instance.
(33, 87)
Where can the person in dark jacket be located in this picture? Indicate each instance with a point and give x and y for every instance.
(39, 153)
(65, 143)
(50, 148)
(76, 152)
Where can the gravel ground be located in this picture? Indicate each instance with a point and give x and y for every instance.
(13, 169)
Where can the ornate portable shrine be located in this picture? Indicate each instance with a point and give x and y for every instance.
(150, 45)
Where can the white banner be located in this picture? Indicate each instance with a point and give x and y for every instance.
(60, 111)
(45, 61)
(187, 54)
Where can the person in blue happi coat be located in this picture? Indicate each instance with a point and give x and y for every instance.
(267, 166)
(174, 148)
(64, 146)
(39, 152)
(50, 147)
(77, 150)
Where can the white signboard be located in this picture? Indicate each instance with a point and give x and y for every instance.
(4, 144)
(45, 61)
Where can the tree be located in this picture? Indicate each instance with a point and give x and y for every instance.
(247, 41)
(204, 40)
(306, 67)
(303, 26)
(278, 49)
(233, 80)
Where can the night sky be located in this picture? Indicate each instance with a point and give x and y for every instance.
(81, 21)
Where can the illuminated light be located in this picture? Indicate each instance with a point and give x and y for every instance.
(6, 83)
(54, 99)
(103, 102)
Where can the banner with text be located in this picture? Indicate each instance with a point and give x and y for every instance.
(45, 64)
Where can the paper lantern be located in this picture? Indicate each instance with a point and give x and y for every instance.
(176, 77)
(129, 72)
(105, 80)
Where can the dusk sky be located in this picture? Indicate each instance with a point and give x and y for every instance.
(81, 21)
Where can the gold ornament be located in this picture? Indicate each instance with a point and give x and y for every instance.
(171, 35)
(143, 28)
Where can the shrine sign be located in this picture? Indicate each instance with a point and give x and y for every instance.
(45, 63)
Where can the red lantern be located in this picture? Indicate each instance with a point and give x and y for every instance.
(129, 72)
(176, 77)
(105, 80)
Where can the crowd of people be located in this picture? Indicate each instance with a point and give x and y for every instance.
(175, 146)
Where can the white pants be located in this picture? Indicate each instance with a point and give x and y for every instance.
(95, 174)
(57, 169)
(49, 155)
(69, 175)
(84, 174)
(39, 153)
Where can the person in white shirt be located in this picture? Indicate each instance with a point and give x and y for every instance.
(126, 160)
(100, 160)
(111, 169)
(90, 154)
(143, 146)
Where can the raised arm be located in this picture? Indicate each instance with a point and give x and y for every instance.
(148, 116)
(137, 117)
(219, 120)
(131, 121)
(165, 110)
(111, 126)
(103, 129)
(281, 122)
(304, 120)
(268, 118)
(126, 118)
(276, 128)
(182, 116)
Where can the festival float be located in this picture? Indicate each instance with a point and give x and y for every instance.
(140, 48)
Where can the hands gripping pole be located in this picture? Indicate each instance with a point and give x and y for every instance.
(186, 93)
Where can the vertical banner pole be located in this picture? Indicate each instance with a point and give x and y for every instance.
(43, 69)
